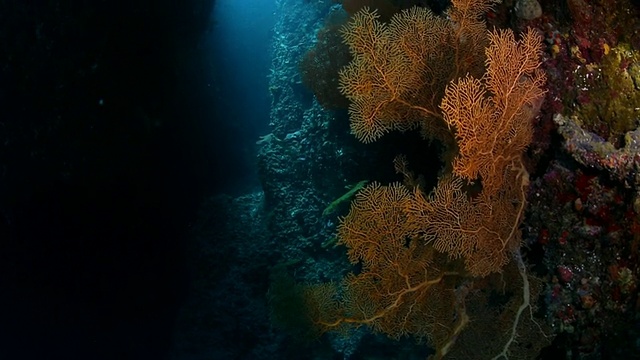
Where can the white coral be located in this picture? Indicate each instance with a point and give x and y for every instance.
(528, 9)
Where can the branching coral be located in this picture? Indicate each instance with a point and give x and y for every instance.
(421, 70)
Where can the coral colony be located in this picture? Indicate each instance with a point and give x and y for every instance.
(527, 238)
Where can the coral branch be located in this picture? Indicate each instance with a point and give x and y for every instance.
(400, 70)
(492, 118)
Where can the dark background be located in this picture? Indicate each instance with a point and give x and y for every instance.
(108, 141)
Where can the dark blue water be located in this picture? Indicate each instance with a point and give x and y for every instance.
(239, 42)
